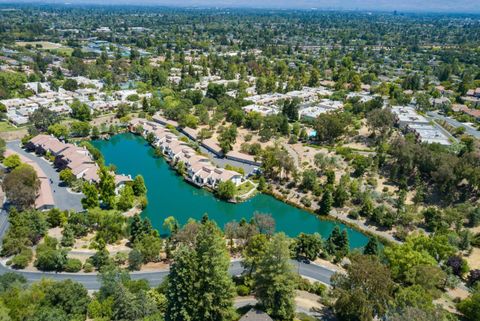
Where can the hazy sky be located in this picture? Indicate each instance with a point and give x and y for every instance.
(466, 6)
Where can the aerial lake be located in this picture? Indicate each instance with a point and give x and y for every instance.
(169, 195)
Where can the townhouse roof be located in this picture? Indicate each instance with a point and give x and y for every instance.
(226, 175)
(91, 174)
(242, 156)
(473, 112)
(40, 139)
(255, 315)
(192, 159)
(162, 120)
(119, 179)
(55, 146)
(212, 144)
(190, 132)
(80, 168)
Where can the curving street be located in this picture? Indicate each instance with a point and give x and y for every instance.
(91, 281)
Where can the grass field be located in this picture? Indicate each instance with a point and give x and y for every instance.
(244, 188)
(47, 45)
(7, 127)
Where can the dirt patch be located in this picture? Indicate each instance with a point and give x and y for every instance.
(155, 266)
(55, 233)
(14, 134)
(474, 259)
(329, 265)
(307, 300)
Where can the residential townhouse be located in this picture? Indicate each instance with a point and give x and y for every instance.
(198, 168)
(70, 156)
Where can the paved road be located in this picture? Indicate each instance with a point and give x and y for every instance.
(91, 281)
(222, 161)
(64, 200)
(455, 123)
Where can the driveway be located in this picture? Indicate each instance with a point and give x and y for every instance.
(222, 161)
(455, 123)
(64, 200)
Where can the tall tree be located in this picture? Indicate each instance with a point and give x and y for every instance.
(364, 292)
(214, 285)
(182, 301)
(106, 187)
(274, 280)
(326, 203)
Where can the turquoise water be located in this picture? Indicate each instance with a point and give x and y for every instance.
(169, 195)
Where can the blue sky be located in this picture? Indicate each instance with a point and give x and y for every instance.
(466, 6)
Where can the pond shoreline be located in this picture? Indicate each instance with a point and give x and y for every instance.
(282, 210)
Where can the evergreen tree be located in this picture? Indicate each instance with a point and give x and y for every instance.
(181, 295)
(340, 196)
(135, 228)
(337, 243)
(343, 244)
(274, 280)
(372, 247)
(262, 184)
(367, 207)
(326, 203)
(214, 286)
(68, 236)
(200, 287)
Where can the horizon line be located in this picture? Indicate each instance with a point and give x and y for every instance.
(95, 3)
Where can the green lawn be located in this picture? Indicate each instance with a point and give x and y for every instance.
(7, 127)
(244, 188)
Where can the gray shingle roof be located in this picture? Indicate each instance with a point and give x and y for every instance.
(256, 315)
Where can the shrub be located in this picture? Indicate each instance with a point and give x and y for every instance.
(88, 267)
(353, 214)
(135, 260)
(315, 287)
(306, 202)
(473, 277)
(51, 259)
(73, 265)
(21, 260)
(243, 290)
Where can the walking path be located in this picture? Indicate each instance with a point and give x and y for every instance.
(64, 200)
(363, 226)
(293, 154)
